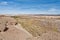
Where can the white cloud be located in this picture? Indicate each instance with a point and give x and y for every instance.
(52, 10)
(4, 3)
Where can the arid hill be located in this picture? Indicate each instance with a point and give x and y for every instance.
(38, 26)
(11, 30)
(27, 27)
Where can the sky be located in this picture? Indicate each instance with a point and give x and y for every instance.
(29, 7)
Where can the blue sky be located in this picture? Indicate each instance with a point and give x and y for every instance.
(29, 6)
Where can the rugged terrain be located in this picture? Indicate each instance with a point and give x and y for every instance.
(29, 27)
(41, 27)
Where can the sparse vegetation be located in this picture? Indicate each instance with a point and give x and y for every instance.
(38, 25)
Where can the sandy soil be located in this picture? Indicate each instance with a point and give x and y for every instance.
(12, 31)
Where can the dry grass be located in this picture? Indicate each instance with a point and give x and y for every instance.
(37, 25)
